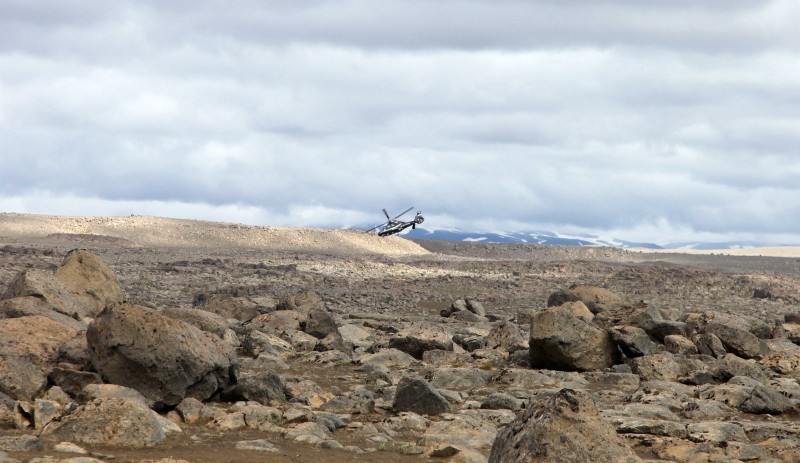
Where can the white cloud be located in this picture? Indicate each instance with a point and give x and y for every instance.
(651, 118)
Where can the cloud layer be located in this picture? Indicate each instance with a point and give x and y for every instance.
(650, 120)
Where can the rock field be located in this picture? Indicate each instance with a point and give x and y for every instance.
(142, 339)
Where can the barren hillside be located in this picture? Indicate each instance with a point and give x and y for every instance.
(157, 231)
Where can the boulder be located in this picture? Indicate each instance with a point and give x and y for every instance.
(302, 302)
(414, 394)
(416, 339)
(632, 341)
(117, 421)
(26, 306)
(240, 308)
(460, 379)
(657, 367)
(162, 358)
(709, 344)
(738, 340)
(505, 336)
(263, 387)
(44, 285)
(561, 341)
(88, 278)
(679, 345)
(476, 307)
(21, 379)
(595, 298)
(206, 321)
(564, 426)
(73, 382)
(467, 431)
(35, 338)
(320, 323)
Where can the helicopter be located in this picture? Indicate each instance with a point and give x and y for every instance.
(392, 225)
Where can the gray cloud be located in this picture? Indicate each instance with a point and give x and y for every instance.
(655, 120)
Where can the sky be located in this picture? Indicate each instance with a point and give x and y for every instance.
(643, 120)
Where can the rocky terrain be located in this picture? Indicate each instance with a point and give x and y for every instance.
(148, 339)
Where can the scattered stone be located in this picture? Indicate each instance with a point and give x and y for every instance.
(564, 426)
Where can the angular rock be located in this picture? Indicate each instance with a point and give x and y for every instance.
(632, 341)
(256, 343)
(460, 379)
(462, 430)
(657, 367)
(731, 365)
(506, 336)
(595, 298)
(20, 379)
(320, 323)
(660, 329)
(35, 338)
(709, 344)
(560, 427)
(302, 302)
(561, 341)
(118, 422)
(475, 307)
(414, 394)
(469, 343)
(738, 340)
(416, 339)
(26, 306)
(88, 278)
(263, 387)
(716, 432)
(44, 285)
(164, 359)
(206, 321)
(240, 308)
(74, 381)
(679, 345)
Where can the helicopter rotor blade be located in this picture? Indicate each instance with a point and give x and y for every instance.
(405, 212)
(386, 214)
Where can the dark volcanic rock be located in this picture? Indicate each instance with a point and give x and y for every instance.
(320, 323)
(259, 386)
(162, 358)
(561, 341)
(560, 427)
(416, 395)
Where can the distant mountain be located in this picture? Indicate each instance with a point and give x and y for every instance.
(552, 238)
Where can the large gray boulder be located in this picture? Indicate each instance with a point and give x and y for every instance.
(414, 394)
(559, 340)
(121, 422)
(164, 359)
(20, 379)
(560, 427)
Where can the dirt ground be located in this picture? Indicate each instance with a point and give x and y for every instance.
(174, 263)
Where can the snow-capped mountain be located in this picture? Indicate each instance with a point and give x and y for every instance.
(553, 238)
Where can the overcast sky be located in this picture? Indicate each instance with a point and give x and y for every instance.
(643, 120)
